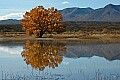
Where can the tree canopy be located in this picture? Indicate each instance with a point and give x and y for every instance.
(40, 20)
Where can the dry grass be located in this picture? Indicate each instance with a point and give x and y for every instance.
(88, 37)
(67, 37)
(115, 36)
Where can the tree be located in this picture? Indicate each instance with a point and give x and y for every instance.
(40, 20)
(40, 55)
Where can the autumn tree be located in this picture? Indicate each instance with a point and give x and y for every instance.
(40, 20)
(40, 55)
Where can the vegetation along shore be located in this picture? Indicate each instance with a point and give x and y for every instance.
(75, 31)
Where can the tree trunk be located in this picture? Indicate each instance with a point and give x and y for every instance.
(41, 34)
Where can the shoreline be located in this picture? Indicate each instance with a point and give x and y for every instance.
(66, 38)
(108, 40)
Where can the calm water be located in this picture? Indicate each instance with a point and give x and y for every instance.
(50, 60)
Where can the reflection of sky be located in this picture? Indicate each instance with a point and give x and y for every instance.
(81, 68)
(13, 50)
(87, 68)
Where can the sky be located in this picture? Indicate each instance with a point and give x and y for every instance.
(16, 8)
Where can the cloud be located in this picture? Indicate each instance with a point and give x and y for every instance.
(65, 63)
(12, 16)
(9, 50)
(65, 2)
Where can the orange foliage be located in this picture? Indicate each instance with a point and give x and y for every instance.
(40, 18)
(41, 55)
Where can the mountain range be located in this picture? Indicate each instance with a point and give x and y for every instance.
(109, 13)
(9, 21)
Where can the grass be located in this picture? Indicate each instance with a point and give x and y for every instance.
(90, 37)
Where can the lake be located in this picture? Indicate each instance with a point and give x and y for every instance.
(59, 60)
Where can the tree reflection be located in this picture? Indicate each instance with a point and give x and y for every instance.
(40, 55)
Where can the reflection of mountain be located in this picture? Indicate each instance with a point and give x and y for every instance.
(40, 55)
(75, 50)
(108, 51)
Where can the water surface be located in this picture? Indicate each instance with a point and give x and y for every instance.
(52, 60)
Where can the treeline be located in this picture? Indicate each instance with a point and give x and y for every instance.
(71, 26)
(91, 25)
(11, 28)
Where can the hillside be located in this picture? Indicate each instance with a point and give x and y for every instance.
(109, 13)
(69, 14)
(75, 19)
(9, 21)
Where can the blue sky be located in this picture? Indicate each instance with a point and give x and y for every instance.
(12, 7)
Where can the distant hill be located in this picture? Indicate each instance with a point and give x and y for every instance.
(70, 14)
(9, 21)
(10, 25)
(76, 18)
(108, 13)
